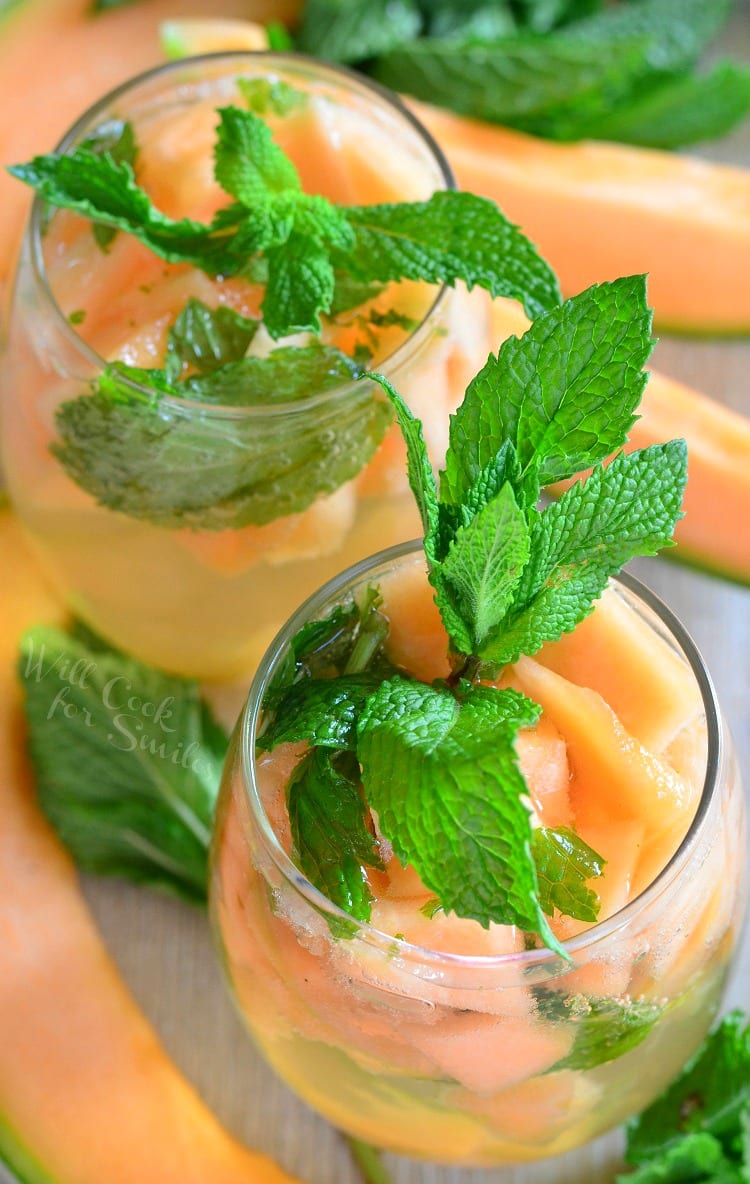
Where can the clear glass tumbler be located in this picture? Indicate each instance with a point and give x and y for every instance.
(445, 1041)
(200, 587)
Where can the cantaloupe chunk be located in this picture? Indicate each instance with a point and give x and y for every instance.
(536, 1111)
(543, 759)
(87, 1093)
(646, 683)
(486, 1053)
(711, 536)
(614, 777)
(417, 640)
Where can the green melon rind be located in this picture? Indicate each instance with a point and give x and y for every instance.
(19, 1160)
(737, 332)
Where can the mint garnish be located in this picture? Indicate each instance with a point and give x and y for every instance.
(443, 776)
(331, 829)
(438, 762)
(265, 97)
(303, 240)
(130, 444)
(564, 864)
(507, 576)
(605, 1028)
(202, 339)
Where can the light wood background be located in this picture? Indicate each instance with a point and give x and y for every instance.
(165, 951)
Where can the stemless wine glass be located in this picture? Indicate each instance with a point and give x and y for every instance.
(478, 1049)
(255, 505)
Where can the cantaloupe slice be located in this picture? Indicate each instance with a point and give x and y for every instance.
(645, 682)
(712, 535)
(614, 777)
(87, 1093)
(597, 211)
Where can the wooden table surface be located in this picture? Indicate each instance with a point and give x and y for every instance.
(164, 949)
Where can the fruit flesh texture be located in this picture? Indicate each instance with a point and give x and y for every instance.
(230, 589)
(456, 1061)
(597, 211)
(712, 534)
(86, 1091)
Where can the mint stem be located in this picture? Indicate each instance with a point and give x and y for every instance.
(369, 1161)
(372, 632)
(469, 670)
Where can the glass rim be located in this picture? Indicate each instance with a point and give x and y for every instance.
(302, 63)
(387, 943)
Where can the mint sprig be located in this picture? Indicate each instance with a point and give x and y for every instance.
(507, 576)
(203, 339)
(564, 865)
(302, 240)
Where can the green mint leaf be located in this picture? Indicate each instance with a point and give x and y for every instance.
(451, 236)
(350, 293)
(247, 163)
(135, 450)
(350, 30)
(279, 38)
(444, 779)
(151, 750)
(116, 137)
(265, 97)
(322, 711)
(333, 842)
(627, 509)
(675, 31)
(679, 110)
(99, 188)
(421, 476)
(319, 650)
(695, 1159)
(286, 375)
(422, 483)
(206, 338)
(606, 1028)
(300, 286)
(471, 20)
(542, 16)
(711, 1096)
(484, 563)
(563, 865)
(564, 394)
(514, 80)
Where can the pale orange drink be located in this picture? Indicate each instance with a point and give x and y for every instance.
(425, 1033)
(186, 591)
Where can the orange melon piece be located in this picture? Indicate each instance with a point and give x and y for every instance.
(597, 211)
(86, 1091)
(543, 758)
(487, 1053)
(538, 1110)
(316, 531)
(614, 777)
(39, 39)
(711, 536)
(645, 682)
(417, 640)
